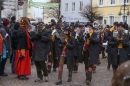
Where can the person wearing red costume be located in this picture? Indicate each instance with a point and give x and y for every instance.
(22, 61)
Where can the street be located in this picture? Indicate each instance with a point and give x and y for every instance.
(101, 78)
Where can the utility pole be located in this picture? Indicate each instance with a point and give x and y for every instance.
(25, 8)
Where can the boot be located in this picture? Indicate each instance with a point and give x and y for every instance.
(69, 77)
(46, 79)
(88, 77)
(59, 82)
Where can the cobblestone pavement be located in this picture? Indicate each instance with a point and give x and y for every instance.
(101, 78)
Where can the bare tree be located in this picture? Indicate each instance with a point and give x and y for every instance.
(53, 13)
(91, 13)
(8, 14)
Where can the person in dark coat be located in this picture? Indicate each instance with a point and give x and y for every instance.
(40, 53)
(54, 53)
(14, 43)
(67, 54)
(91, 51)
(81, 44)
(4, 31)
(75, 33)
(111, 47)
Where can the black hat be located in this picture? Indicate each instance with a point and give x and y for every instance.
(115, 23)
(72, 24)
(13, 18)
(95, 28)
(67, 28)
(89, 24)
(121, 24)
(53, 22)
(40, 23)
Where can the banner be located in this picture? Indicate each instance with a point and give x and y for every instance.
(43, 4)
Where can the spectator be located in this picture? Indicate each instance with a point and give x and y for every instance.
(14, 43)
(4, 33)
(126, 25)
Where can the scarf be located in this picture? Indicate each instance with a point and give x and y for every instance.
(90, 33)
(27, 36)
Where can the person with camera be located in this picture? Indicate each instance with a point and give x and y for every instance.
(23, 59)
(91, 50)
(40, 52)
(67, 54)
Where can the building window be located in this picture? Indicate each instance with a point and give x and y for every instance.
(73, 6)
(124, 18)
(81, 6)
(126, 1)
(111, 20)
(112, 1)
(100, 2)
(66, 7)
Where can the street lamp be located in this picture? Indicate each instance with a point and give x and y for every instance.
(124, 8)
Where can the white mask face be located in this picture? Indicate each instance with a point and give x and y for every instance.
(87, 29)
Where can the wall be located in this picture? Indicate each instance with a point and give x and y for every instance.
(70, 16)
(108, 10)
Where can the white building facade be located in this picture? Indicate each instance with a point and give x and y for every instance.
(71, 9)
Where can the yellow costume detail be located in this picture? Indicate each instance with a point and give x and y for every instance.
(112, 29)
(120, 45)
(66, 39)
(90, 33)
(23, 51)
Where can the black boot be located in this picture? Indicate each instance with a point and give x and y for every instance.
(59, 82)
(69, 77)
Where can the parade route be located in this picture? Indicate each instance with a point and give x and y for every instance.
(101, 78)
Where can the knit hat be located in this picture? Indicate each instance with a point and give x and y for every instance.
(16, 25)
(6, 22)
(13, 18)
